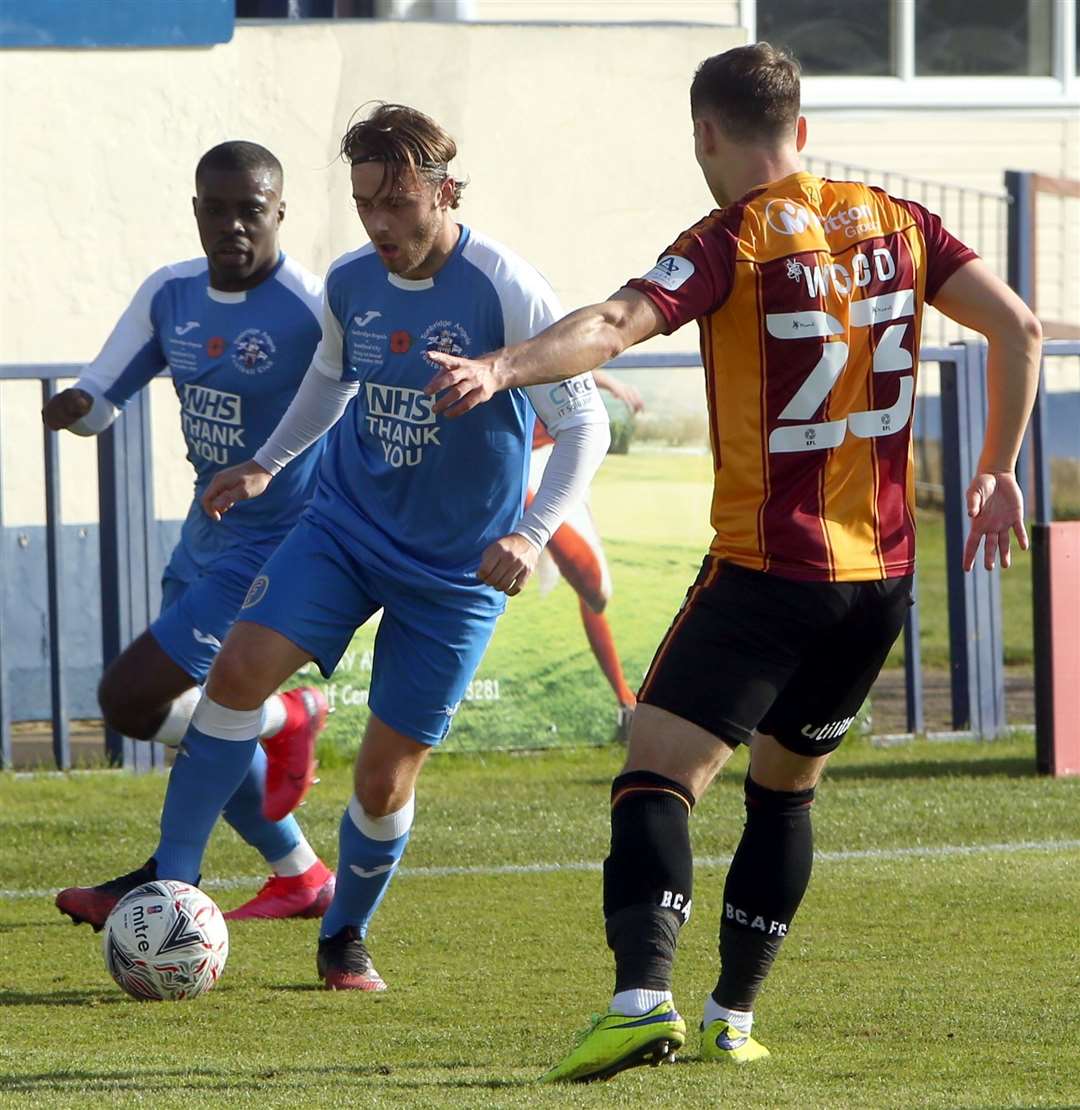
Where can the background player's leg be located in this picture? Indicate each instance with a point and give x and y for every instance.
(375, 826)
(139, 687)
(219, 745)
(147, 695)
(576, 550)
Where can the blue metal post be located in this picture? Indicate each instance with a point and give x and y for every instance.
(57, 683)
(1020, 274)
(1041, 502)
(125, 491)
(913, 685)
(6, 759)
(975, 642)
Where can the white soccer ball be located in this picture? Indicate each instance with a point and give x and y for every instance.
(166, 940)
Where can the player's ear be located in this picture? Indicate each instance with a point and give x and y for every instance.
(444, 196)
(195, 207)
(800, 133)
(281, 212)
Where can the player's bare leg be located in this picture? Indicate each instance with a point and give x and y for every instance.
(374, 831)
(580, 561)
(137, 691)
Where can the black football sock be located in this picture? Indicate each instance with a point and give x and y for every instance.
(765, 884)
(648, 877)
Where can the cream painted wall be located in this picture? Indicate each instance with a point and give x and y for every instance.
(724, 13)
(97, 150)
(576, 139)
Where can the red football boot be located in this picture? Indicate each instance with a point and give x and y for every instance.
(290, 753)
(306, 895)
(344, 963)
(93, 904)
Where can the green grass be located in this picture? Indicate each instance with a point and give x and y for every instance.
(932, 980)
(538, 684)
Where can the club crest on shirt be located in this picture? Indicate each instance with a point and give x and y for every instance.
(446, 336)
(252, 351)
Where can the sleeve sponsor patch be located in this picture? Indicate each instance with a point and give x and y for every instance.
(670, 272)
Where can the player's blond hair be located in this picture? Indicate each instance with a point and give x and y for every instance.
(753, 91)
(405, 141)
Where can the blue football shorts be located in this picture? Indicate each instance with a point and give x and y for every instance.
(198, 606)
(316, 593)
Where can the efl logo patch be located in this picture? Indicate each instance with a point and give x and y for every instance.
(257, 592)
(671, 272)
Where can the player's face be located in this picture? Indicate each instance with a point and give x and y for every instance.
(238, 213)
(407, 219)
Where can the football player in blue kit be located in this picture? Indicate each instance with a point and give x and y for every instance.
(419, 517)
(236, 330)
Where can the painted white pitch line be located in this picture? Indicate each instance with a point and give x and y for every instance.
(940, 851)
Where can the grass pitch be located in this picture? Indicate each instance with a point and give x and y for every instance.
(934, 962)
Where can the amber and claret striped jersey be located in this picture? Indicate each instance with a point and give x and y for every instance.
(809, 295)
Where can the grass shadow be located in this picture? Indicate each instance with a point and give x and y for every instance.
(89, 997)
(1013, 767)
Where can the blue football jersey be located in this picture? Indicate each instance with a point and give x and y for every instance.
(236, 361)
(417, 495)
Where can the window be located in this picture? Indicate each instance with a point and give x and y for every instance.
(991, 38)
(910, 53)
(831, 37)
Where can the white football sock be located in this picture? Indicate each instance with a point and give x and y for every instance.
(302, 858)
(274, 716)
(178, 718)
(212, 718)
(634, 1003)
(743, 1020)
(388, 827)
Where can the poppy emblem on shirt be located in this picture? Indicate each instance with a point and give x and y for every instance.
(215, 346)
(400, 342)
(252, 351)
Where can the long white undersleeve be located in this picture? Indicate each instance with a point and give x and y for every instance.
(100, 416)
(316, 408)
(578, 452)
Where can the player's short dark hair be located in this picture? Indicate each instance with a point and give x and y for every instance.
(404, 140)
(238, 155)
(753, 91)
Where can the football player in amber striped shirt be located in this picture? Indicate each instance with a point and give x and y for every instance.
(808, 294)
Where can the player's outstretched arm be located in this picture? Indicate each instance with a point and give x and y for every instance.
(235, 483)
(66, 408)
(578, 343)
(975, 297)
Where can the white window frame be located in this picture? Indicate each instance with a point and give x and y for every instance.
(905, 91)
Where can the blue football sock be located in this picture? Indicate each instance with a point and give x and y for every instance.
(274, 839)
(212, 760)
(369, 849)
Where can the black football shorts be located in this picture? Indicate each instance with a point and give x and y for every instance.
(793, 659)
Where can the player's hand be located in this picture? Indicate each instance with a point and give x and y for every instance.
(235, 483)
(508, 563)
(463, 382)
(629, 396)
(66, 408)
(996, 507)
